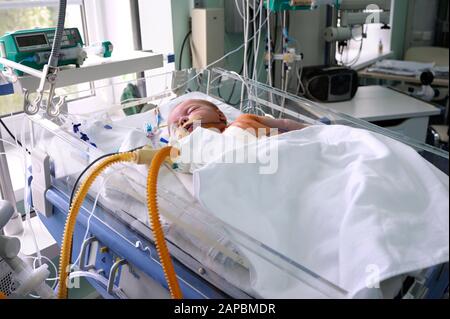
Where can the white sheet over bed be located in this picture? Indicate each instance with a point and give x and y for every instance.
(325, 217)
(353, 206)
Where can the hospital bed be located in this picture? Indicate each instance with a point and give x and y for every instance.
(112, 239)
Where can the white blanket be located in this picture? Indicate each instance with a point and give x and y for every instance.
(353, 206)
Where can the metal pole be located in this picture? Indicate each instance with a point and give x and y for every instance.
(137, 39)
(20, 67)
(6, 187)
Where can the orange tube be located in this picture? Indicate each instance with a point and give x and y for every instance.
(155, 223)
(66, 248)
(3, 296)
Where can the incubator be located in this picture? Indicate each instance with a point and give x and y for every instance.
(211, 257)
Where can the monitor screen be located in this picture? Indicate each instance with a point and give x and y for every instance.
(31, 40)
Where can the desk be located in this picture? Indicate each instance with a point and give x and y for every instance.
(390, 109)
(391, 77)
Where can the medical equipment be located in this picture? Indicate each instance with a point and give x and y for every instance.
(208, 34)
(330, 83)
(143, 156)
(209, 256)
(102, 49)
(281, 5)
(17, 278)
(50, 71)
(33, 47)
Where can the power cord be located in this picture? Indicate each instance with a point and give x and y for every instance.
(180, 66)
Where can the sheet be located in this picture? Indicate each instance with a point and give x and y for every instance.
(129, 194)
(408, 68)
(353, 206)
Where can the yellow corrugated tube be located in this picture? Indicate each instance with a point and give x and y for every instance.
(152, 202)
(143, 156)
(66, 247)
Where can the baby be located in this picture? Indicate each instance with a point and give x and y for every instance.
(195, 111)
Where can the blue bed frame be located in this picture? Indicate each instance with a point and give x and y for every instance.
(192, 285)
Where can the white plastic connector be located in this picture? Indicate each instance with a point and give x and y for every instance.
(34, 280)
(40, 162)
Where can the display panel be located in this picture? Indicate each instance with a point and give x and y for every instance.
(31, 40)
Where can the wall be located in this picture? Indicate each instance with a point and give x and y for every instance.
(399, 22)
(181, 12)
(110, 20)
(413, 24)
(307, 27)
(156, 25)
(422, 18)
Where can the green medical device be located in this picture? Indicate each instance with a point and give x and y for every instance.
(281, 5)
(32, 48)
(286, 5)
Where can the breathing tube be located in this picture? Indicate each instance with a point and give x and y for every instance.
(142, 156)
(155, 223)
(56, 48)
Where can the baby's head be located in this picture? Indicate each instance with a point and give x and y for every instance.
(203, 112)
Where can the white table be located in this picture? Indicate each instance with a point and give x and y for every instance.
(390, 109)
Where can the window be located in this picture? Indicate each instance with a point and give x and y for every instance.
(18, 15)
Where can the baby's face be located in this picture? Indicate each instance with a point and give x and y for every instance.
(199, 111)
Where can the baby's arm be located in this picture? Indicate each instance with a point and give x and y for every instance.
(283, 125)
(246, 121)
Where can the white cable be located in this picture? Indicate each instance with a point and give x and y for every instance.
(255, 44)
(246, 35)
(25, 197)
(244, 83)
(9, 143)
(239, 9)
(258, 42)
(246, 42)
(299, 78)
(242, 15)
(269, 46)
(49, 261)
(91, 214)
(228, 54)
(219, 60)
(77, 274)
